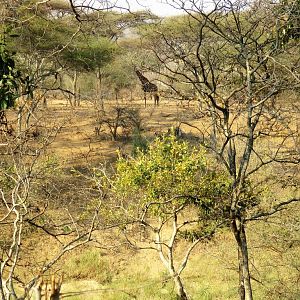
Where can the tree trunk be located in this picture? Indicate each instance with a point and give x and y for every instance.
(38, 293)
(169, 264)
(98, 84)
(31, 106)
(241, 276)
(78, 98)
(19, 118)
(181, 294)
(131, 95)
(117, 96)
(12, 293)
(1, 289)
(75, 79)
(245, 260)
(99, 95)
(238, 229)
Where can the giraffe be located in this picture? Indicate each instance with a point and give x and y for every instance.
(148, 87)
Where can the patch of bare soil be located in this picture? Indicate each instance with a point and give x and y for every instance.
(78, 143)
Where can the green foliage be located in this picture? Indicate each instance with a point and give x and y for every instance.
(172, 174)
(139, 143)
(9, 78)
(120, 72)
(90, 53)
(41, 34)
(290, 29)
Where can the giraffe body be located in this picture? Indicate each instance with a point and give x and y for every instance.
(148, 87)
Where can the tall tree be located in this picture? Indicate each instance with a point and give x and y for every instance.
(236, 56)
(172, 185)
(88, 54)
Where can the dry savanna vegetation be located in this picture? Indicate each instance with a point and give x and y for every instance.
(145, 157)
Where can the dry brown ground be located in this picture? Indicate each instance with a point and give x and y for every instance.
(77, 142)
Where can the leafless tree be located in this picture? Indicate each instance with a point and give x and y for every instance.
(155, 235)
(119, 120)
(22, 212)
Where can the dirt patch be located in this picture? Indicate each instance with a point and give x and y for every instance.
(77, 141)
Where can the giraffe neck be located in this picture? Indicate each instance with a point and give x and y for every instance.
(142, 78)
(147, 86)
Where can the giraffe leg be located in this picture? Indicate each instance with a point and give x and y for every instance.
(157, 99)
(145, 99)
